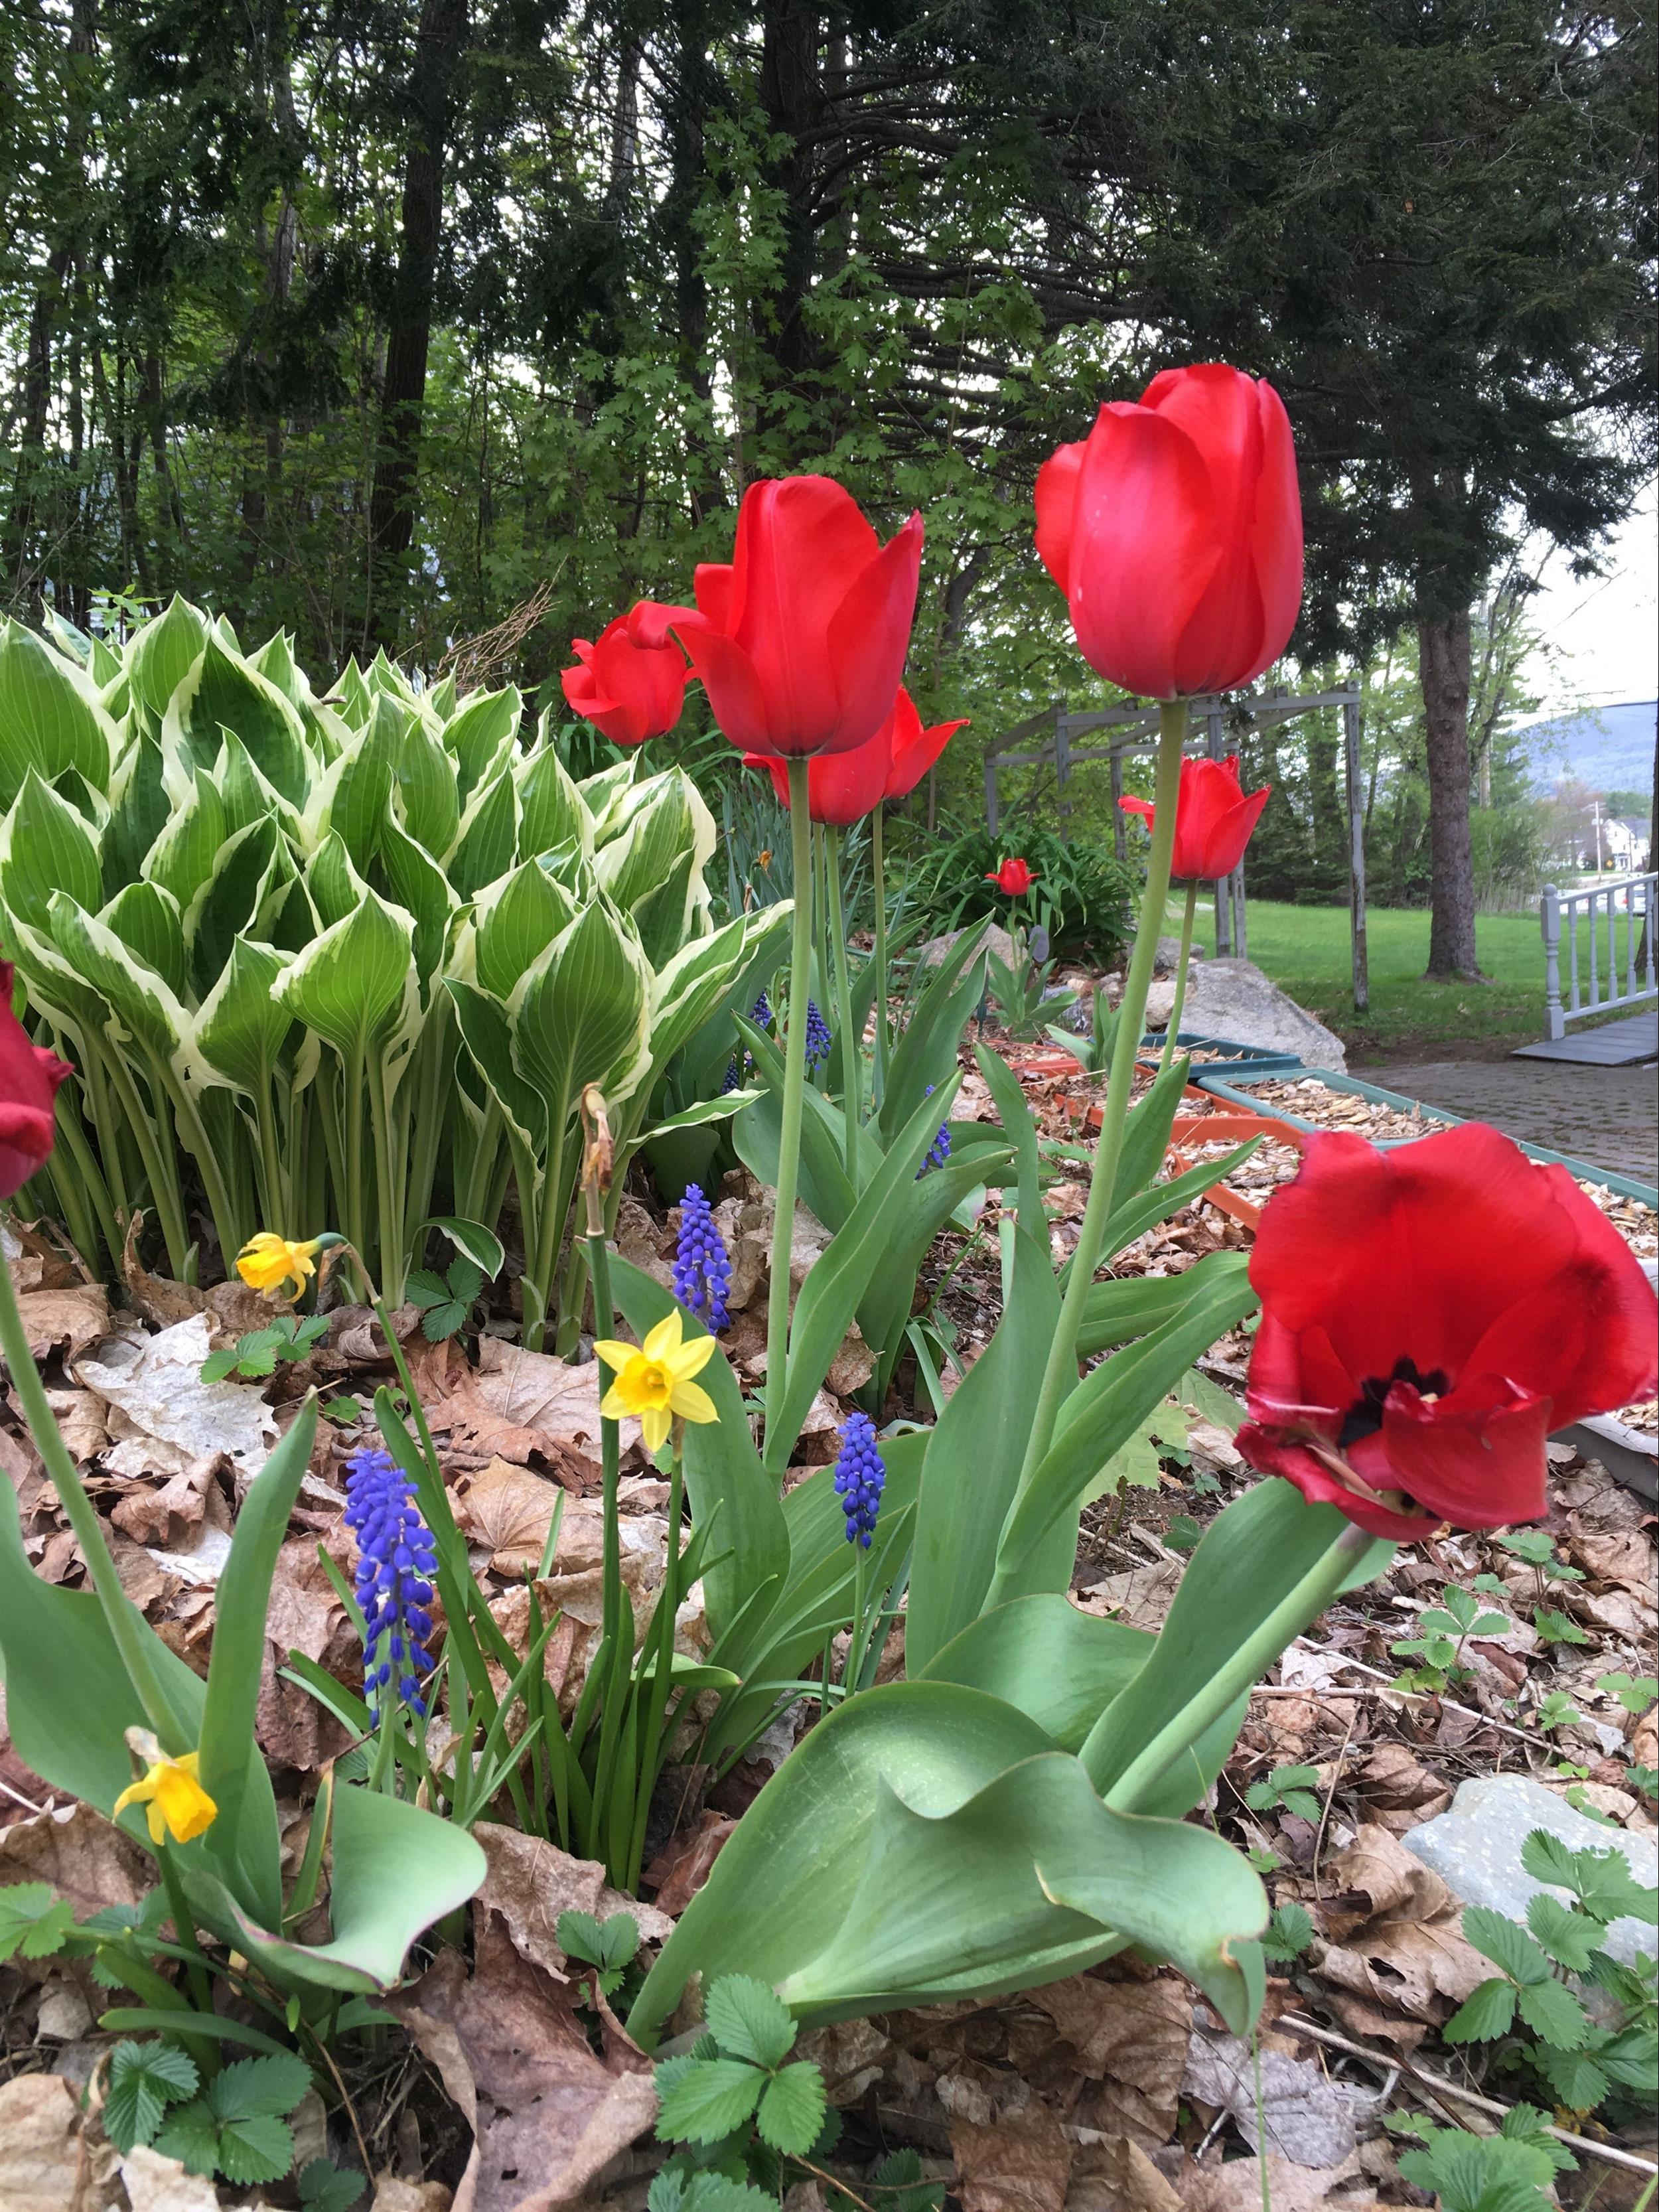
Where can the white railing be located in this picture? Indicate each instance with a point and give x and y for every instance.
(1614, 977)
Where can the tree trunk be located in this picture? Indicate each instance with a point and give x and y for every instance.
(792, 96)
(1443, 644)
(433, 93)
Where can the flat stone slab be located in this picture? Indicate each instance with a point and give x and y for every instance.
(1475, 1849)
(1232, 999)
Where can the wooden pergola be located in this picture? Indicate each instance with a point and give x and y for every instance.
(1213, 721)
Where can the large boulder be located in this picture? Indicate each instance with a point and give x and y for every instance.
(1232, 999)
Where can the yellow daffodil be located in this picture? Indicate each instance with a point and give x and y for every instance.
(266, 1262)
(176, 1803)
(653, 1381)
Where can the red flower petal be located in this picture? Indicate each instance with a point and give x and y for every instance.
(1056, 508)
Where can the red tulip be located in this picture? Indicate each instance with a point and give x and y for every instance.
(1013, 877)
(29, 1077)
(1175, 531)
(632, 691)
(915, 750)
(800, 642)
(843, 788)
(1214, 819)
(1428, 1316)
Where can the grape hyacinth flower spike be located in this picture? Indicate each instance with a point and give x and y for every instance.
(761, 1012)
(939, 1150)
(397, 1561)
(860, 1476)
(702, 1269)
(818, 1039)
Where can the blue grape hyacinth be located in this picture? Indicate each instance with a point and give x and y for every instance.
(939, 1150)
(396, 1561)
(702, 1266)
(761, 1012)
(818, 1039)
(860, 1476)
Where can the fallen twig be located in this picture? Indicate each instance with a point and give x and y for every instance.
(1609, 2154)
(1420, 1697)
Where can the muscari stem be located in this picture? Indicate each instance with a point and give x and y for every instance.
(850, 1045)
(1060, 1371)
(1300, 1606)
(1174, 1029)
(878, 879)
(127, 1624)
(794, 1096)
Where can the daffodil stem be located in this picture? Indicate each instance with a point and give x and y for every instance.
(878, 881)
(661, 1678)
(604, 1326)
(851, 1085)
(794, 1100)
(1060, 1373)
(128, 1629)
(1172, 1033)
(185, 1929)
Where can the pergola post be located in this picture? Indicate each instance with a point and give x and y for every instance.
(1362, 985)
(1120, 829)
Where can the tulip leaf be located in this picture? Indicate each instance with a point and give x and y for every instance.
(972, 1468)
(830, 1296)
(918, 1214)
(926, 1050)
(394, 1870)
(1101, 1415)
(1064, 1668)
(1251, 1557)
(1118, 1311)
(1015, 1116)
(926, 1842)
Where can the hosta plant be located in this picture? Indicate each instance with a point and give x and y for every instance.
(343, 956)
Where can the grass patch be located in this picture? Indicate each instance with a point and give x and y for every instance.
(1305, 950)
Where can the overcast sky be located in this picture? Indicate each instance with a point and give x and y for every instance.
(1605, 631)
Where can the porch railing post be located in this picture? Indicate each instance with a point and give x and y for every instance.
(1549, 915)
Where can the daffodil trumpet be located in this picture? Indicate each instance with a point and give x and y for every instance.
(176, 1807)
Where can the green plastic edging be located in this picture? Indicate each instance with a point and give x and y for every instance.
(1234, 1092)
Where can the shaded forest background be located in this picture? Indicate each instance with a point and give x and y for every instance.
(379, 320)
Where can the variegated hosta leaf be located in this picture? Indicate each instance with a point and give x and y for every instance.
(353, 797)
(335, 885)
(551, 816)
(46, 846)
(418, 883)
(488, 836)
(244, 1025)
(663, 834)
(579, 1015)
(688, 989)
(250, 866)
(488, 1037)
(355, 984)
(161, 654)
(182, 858)
(250, 797)
(514, 922)
(147, 918)
(423, 779)
(139, 805)
(52, 717)
(479, 737)
(605, 796)
(221, 692)
(143, 1003)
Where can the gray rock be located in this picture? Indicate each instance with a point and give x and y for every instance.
(1167, 957)
(1232, 999)
(997, 941)
(1475, 1849)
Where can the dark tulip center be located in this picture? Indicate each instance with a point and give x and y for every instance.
(1364, 1416)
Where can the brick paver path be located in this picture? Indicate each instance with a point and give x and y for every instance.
(1607, 1115)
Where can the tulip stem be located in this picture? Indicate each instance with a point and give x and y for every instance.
(851, 1086)
(878, 880)
(794, 1098)
(129, 1630)
(1323, 1581)
(1173, 1031)
(1060, 1374)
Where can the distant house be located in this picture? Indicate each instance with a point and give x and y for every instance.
(1625, 840)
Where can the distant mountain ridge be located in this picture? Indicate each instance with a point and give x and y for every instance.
(1609, 748)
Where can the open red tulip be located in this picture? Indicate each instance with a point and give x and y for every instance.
(1013, 877)
(800, 640)
(1214, 817)
(29, 1077)
(1175, 531)
(1429, 1314)
(843, 788)
(632, 691)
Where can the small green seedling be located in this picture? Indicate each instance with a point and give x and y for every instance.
(256, 1355)
(1446, 1628)
(1510, 2172)
(607, 1946)
(1287, 1789)
(324, 2188)
(444, 1301)
(1635, 1693)
(1182, 1533)
(1556, 1710)
(1288, 1933)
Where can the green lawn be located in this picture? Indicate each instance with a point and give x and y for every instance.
(1305, 949)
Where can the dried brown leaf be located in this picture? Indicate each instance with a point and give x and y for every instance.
(1130, 2037)
(1115, 2175)
(43, 2157)
(1020, 2162)
(65, 1321)
(529, 1883)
